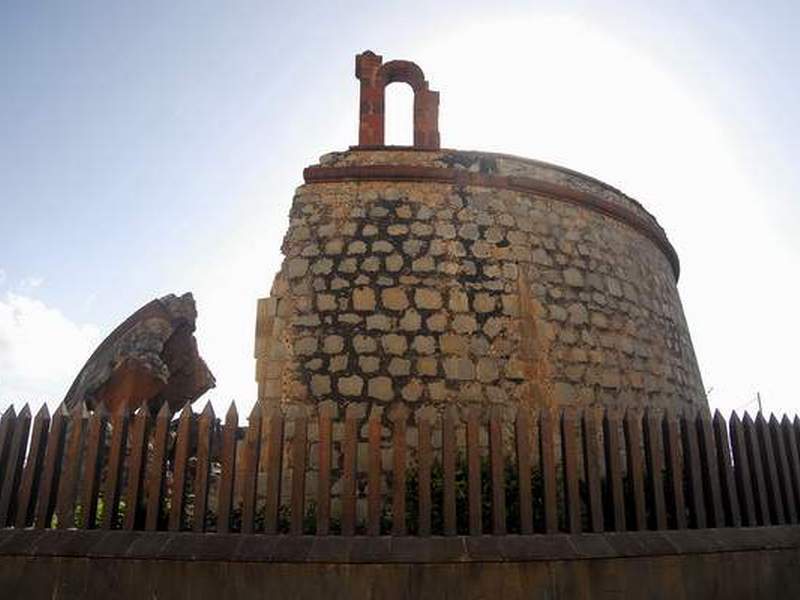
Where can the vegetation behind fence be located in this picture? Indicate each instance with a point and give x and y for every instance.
(338, 471)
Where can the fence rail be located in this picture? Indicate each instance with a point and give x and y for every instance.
(338, 471)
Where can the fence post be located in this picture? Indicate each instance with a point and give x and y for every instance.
(228, 469)
(68, 485)
(137, 461)
(7, 423)
(14, 462)
(523, 432)
(182, 444)
(708, 462)
(793, 455)
(398, 415)
(655, 466)
(672, 442)
(155, 492)
(742, 471)
(206, 426)
(326, 413)
(274, 465)
(29, 488)
(691, 453)
(616, 499)
(757, 469)
(633, 443)
(424, 418)
(46, 501)
(348, 487)
(299, 459)
(729, 497)
(252, 452)
(768, 456)
(784, 474)
(569, 445)
(449, 469)
(116, 458)
(374, 430)
(546, 445)
(498, 470)
(95, 450)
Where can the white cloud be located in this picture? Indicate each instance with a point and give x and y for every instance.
(41, 351)
(30, 283)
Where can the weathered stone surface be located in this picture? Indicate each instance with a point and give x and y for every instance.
(399, 367)
(333, 344)
(380, 322)
(150, 358)
(464, 324)
(369, 364)
(364, 344)
(428, 299)
(487, 370)
(305, 346)
(394, 343)
(394, 298)
(484, 303)
(296, 267)
(350, 386)
(459, 368)
(411, 321)
(320, 385)
(380, 388)
(424, 344)
(413, 390)
(363, 299)
(459, 301)
(476, 291)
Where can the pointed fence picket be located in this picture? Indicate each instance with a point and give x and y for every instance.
(349, 471)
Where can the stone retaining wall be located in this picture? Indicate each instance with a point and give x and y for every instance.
(731, 564)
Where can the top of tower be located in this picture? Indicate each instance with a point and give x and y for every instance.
(374, 76)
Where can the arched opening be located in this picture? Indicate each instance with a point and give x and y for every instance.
(399, 115)
(418, 105)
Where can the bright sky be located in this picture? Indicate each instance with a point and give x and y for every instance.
(150, 148)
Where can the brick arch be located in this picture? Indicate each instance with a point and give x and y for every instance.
(403, 71)
(374, 77)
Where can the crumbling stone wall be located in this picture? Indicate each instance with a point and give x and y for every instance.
(433, 292)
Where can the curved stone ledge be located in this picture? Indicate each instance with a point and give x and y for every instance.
(645, 225)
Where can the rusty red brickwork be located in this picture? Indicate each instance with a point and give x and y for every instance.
(374, 77)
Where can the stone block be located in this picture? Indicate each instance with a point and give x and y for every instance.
(424, 344)
(410, 321)
(332, 344)
(399, 367)
(464, 324)
(428, 299)
(320, 385)
(363, 299)
(394, 298)
(394, 343)
(459, 368)
(380, 388)
(369, 364)
(350, 386)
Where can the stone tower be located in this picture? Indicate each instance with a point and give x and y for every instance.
(430, 277)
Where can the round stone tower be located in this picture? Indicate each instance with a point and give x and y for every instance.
(429, 277)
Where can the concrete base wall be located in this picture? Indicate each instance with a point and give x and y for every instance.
(756, 563)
